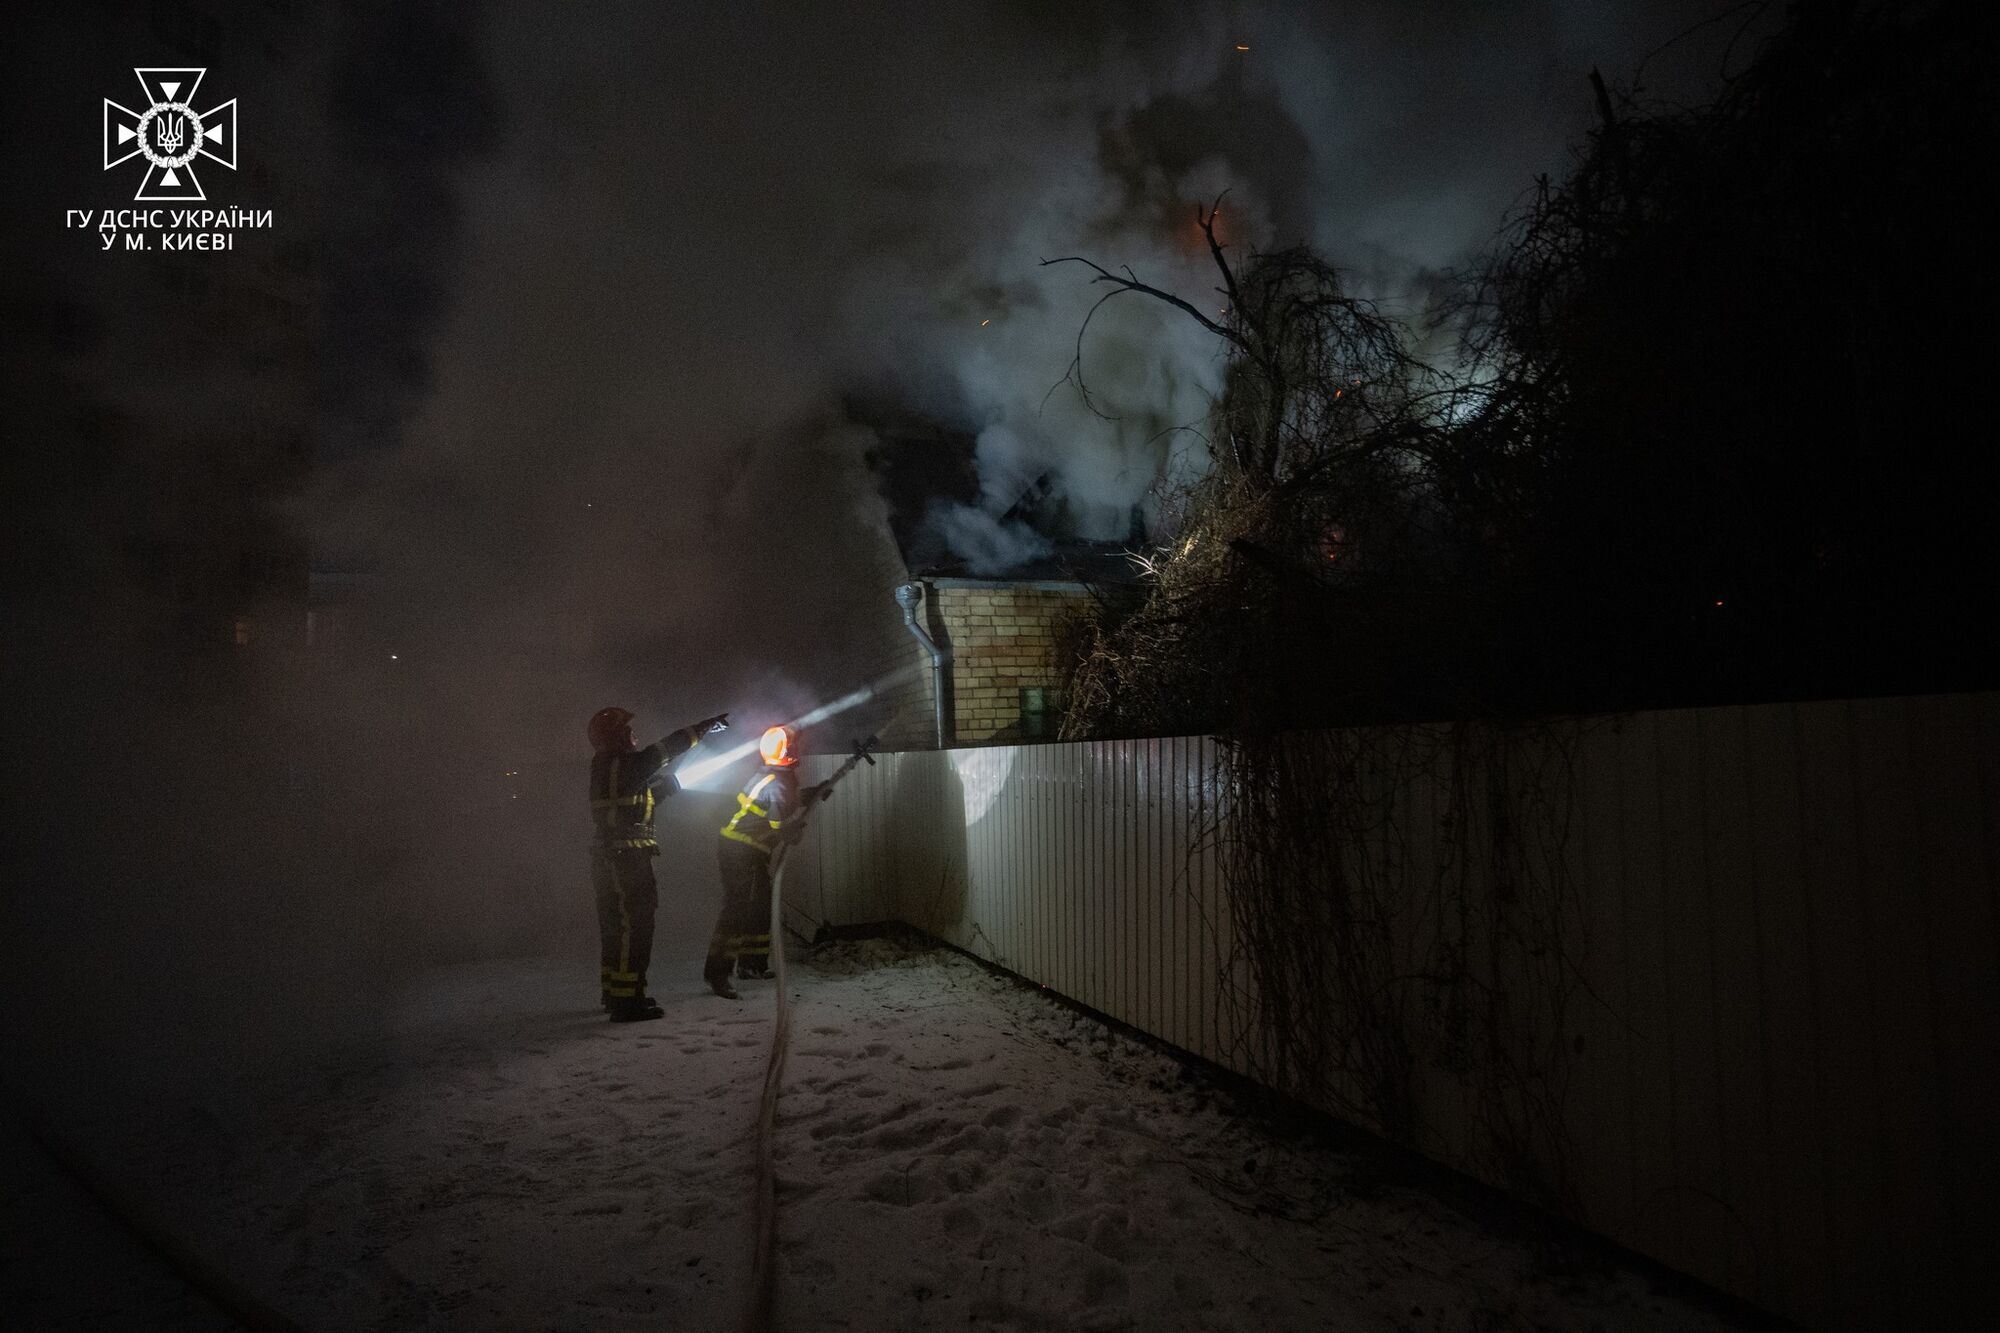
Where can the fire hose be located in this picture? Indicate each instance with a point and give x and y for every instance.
(762, 1314)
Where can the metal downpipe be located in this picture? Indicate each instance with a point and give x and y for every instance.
(907, 597)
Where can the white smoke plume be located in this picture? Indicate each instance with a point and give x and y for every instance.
(700, 233)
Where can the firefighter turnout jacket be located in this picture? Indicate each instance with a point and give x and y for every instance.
(621, 792)
(763, 807)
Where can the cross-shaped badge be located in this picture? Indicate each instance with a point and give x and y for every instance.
(170, 133)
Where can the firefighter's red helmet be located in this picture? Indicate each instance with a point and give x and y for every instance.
(610, 730)
(780, 746)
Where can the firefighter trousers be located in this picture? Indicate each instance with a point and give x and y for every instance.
(742, 936)
(627, 900)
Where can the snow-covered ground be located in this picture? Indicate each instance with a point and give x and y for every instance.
(953, 1151)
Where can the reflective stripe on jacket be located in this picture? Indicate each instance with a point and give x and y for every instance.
(762, 807)
(623, 818)
(622, 799)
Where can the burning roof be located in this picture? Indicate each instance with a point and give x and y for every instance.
(946, 527)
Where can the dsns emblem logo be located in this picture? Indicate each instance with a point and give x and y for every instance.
(170, 134)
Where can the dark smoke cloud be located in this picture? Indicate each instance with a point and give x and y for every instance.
(701, 231)
(407, 103)
(210, 867)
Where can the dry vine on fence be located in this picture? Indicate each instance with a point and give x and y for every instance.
(1400, 905)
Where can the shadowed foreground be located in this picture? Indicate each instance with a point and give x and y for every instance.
(953, 1151)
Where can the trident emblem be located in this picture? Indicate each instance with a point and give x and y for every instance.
(170, 134)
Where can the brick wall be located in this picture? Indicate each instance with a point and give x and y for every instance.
(1003, 637)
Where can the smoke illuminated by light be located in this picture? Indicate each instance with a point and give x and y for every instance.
(694, 775)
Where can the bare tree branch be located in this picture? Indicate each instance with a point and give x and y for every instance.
(1130, 284)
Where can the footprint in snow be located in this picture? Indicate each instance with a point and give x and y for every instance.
(894, 1187)
(1104, 1284)
(946, 1066)
(897, 1138)
(840, 1128)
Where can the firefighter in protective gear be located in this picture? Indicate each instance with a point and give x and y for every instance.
(623, 845)
(766, 817)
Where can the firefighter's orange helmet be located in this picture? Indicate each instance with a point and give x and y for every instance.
(610, 730)
(780, 746)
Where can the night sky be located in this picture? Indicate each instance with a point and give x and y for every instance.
(592, 292)
(693, 238)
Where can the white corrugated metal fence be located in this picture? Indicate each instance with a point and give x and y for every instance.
(1777, 1067)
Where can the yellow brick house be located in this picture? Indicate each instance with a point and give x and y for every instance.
(994, 638)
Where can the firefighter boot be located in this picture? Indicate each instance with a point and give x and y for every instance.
(754, 967)
(636, 1009)
(716, 974)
